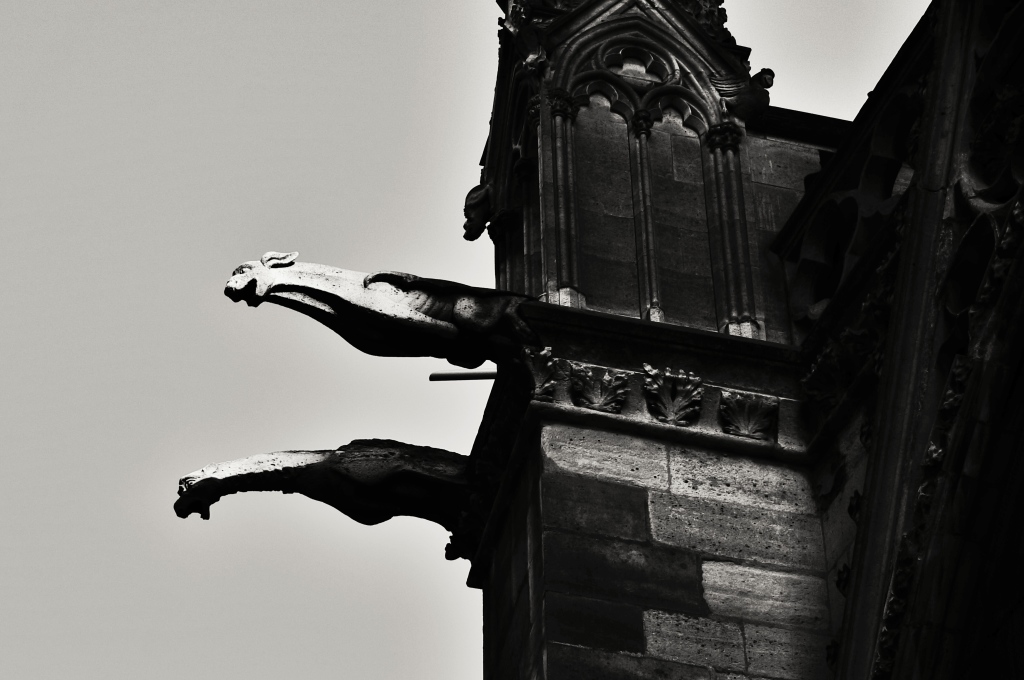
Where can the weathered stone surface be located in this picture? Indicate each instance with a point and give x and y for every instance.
(754, 594)
(735, 531)
(359, 479)
(836, 600)
(788, 654)
(607, 455)
(838, 527)
(579, 663)
(389, 313)
(592, 506)
(697, 641)
(594, 623)
(780, 164)
(637, 573)
(743, 481)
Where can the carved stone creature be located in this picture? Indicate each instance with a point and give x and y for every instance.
(389, 313)
(370, 480)
(746, 100)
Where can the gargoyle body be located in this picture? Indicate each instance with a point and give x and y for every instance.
(388, 313)
(746, 100)
(370, 480)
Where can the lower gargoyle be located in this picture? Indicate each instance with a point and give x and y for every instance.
(370, 480)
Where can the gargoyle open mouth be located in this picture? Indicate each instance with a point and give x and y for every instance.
(238, 290)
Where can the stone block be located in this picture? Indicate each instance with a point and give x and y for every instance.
(580, 663)
(720, 529)
(742, 481)
(606, 455)
(753, 594)
(696, 641)
(773, 206)
(786, 654)
(780, 164)
(592, 506)
(589, 622)
(634, 573)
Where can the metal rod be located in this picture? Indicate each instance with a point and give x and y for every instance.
(463, 375)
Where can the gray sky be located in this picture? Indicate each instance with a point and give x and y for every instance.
(146, 148)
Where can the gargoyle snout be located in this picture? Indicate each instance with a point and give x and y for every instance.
(191, 500)
(248, 283)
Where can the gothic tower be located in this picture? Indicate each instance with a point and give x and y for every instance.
(654, 512)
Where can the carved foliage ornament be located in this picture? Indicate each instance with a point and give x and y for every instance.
(673, 398)
(748, 415)
(607, 394)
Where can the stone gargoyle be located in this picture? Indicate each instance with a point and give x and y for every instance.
(389, 313)
(384, 314)
(370, 480)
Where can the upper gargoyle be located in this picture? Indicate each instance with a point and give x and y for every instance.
(389, 313)
(746, 100)
(370, 480)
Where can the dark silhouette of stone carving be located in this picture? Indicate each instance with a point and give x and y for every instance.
(546, 371)
(477, 211)
(370, 480)
(746, 100)
(389, 313)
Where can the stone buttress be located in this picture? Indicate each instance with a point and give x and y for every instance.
(652, 510)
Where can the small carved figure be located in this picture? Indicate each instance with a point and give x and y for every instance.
(370, 480)
(389, 313)
(746, 100)
(477, 211)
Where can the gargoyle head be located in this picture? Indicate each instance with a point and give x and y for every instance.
(251, 281)
(765, 78)
(192, 499)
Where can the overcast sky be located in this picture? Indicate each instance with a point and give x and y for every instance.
(147, 148)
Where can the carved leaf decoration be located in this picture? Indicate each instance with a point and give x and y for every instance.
(748, 415)
(673, 399)
(607, 395)
(546, 370)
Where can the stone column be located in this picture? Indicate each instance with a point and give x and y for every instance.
(563, 113)
(740, 318)
(641, 126)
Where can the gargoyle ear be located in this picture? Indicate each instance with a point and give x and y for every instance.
(274, 260)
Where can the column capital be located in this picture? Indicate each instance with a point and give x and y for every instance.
(641, 123)
(725, 136)
(562, 104)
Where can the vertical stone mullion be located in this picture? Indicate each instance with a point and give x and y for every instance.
(724, 140)
(641, 124)
(563, 111)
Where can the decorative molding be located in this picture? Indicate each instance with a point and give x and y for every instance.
(748, 415)
(606, 395)
(562, 104)
(726, 136)
(673, 398)
(546, 371)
